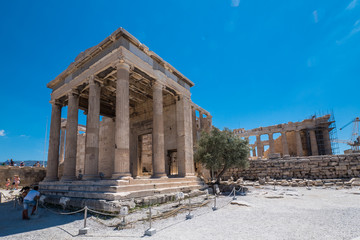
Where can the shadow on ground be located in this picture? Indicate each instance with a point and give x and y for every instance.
(11, 219)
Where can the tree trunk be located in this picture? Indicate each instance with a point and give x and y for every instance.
(220, 174)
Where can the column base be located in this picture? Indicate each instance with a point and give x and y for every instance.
(159, 175)
(122, 176)
(68, 178)
(90, 177)
(51, 179)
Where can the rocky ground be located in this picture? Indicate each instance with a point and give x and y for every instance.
(266, 212)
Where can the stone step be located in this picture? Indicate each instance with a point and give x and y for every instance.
(118, 195)
(119, 188)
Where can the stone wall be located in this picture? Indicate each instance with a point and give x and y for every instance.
(313, 167)
(28, 175)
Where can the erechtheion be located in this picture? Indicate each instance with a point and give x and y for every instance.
(140, 130)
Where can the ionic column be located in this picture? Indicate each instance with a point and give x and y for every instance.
(284, 144)
(92, 131)
(184, 137)
(122, 123)
(194, 130)
(299, 149)
(54, 138)
(259, 146)
(158, 132)
(62, 145)
(71, 137)
(271, 143)
(254, 152)
(314, 147)
(327, 142)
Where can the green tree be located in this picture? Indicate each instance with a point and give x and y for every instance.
(220, 150)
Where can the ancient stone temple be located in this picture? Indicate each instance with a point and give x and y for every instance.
(309, 137)
(140, 130)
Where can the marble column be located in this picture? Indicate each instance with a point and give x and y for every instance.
(122, 124)
(259, 146)
(62, 145)
(299, 149)
(327, 142)
(184, 137)
(254, 152)
(284, 144)
(313, 142)
(71, 137)
(271, 143)
(193, 115)
(92, 131)
(158, 132)
(54, 138)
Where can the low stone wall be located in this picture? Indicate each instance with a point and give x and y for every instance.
(313, 167)
(28, 175)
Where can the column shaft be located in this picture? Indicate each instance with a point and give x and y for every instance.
(62, 145)
(271, 143)
(284, 144)
(259, 146)
(92, 132)
(184, 137)
(122, 124)
(299, 148)
(158, 132)
(313, 142)
(71, 138)
(54, 138)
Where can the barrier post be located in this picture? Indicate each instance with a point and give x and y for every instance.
(214, 208)
(234, 197)
(189, 215)
(150, 231)
(84, 230)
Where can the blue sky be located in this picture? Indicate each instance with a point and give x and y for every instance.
(254, 63)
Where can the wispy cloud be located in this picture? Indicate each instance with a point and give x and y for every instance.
(235, 3)
(352, 5)
(354, 30)
(316, 16)
(2, 133)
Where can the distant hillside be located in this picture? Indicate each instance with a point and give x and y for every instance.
(28, 163)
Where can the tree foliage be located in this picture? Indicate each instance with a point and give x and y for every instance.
(221, 150)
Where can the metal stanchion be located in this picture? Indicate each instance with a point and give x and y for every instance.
(150, 231)
(84, 230)
(214, 208)
(189, 215)
(234, 197)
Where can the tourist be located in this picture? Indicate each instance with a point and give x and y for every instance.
(30, 200)
(11, 162)
(16, 182)
(7, 162)
(37, 164)
(8, 182)
(22, 164)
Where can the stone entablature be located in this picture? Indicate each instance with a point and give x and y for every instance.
(309, 137)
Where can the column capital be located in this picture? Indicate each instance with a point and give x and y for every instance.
(56, 102)
(94, 80)
(121, 64)
(158, 85)
(73, 92)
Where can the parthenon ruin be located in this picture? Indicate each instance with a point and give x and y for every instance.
(133, 99)
(309, 137)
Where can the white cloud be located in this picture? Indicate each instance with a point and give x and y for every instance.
(235, 3)
(316, 17)
(352, 5)
(355, 30)
(2, 133)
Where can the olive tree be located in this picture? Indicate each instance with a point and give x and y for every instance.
(220, 150)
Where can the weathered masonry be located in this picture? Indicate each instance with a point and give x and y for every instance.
(307, 138)
(143, 101)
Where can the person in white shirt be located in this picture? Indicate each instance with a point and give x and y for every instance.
(30, 200)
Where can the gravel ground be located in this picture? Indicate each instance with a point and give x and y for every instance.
(284, 213)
